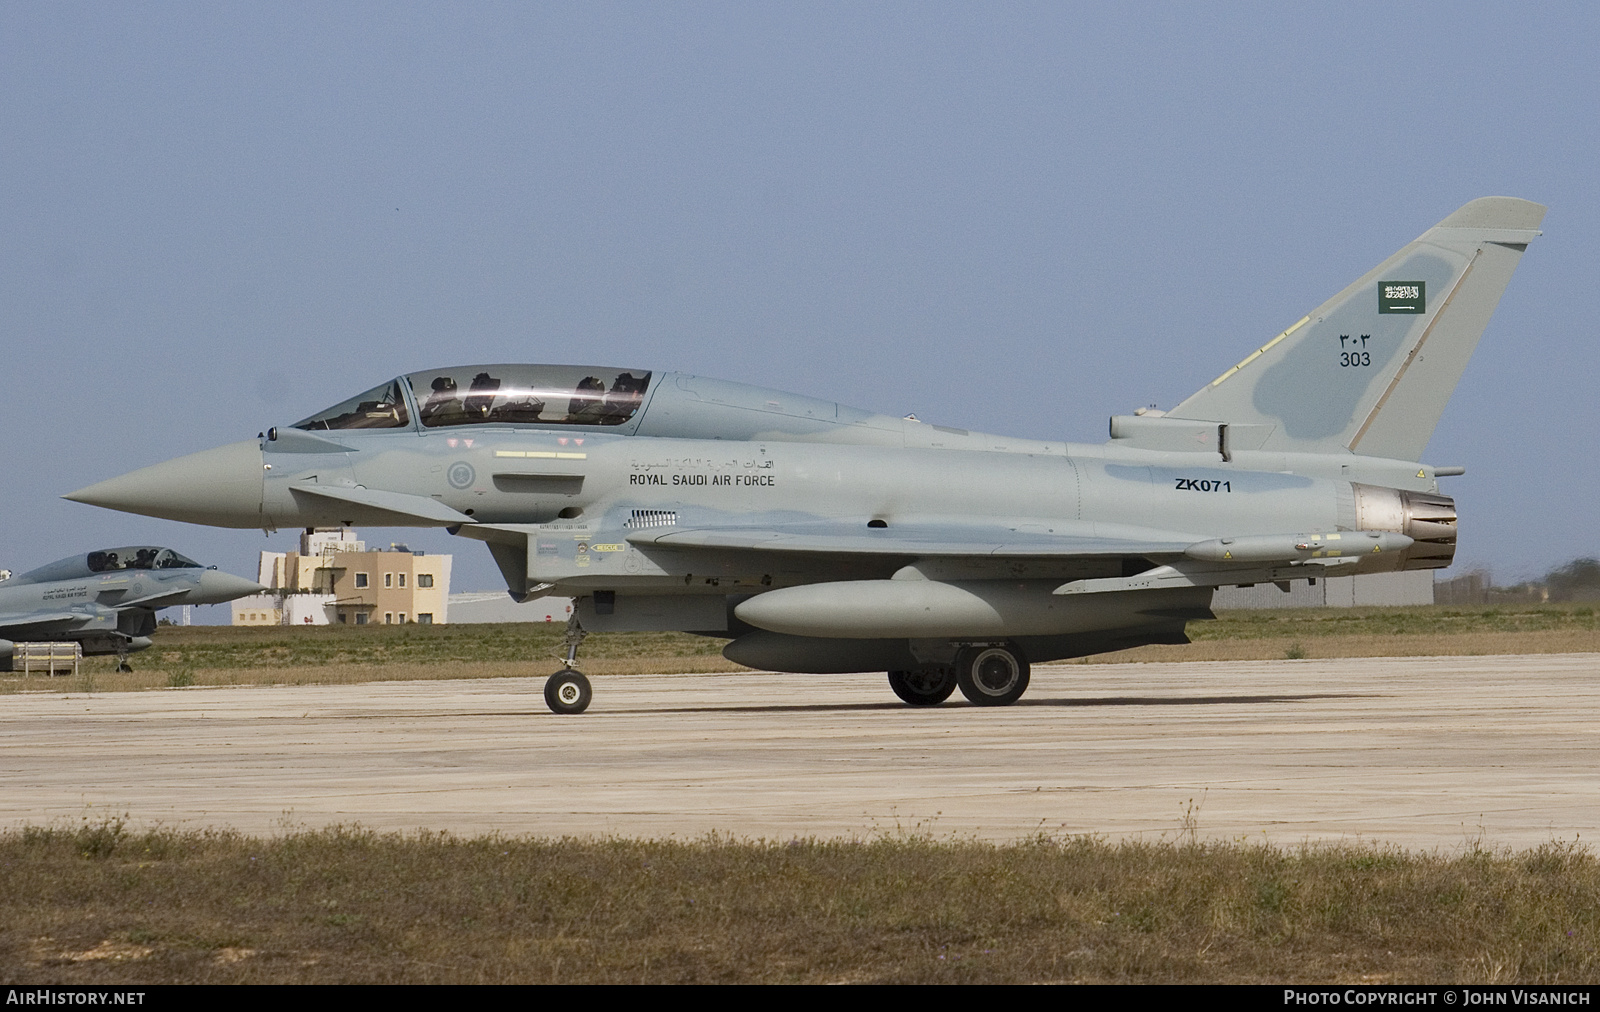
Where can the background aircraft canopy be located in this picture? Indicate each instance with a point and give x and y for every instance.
(108, 560)
(527, 395)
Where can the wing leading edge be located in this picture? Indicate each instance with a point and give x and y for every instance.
(39, 620)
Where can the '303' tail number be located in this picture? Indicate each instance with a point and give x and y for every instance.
(1202, 485)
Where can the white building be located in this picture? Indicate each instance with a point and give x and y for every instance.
(334, 579)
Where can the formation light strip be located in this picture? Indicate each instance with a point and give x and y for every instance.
(541, 454)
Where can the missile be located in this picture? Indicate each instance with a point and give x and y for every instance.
(1298, 547)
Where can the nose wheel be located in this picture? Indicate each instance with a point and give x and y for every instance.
(567, 692)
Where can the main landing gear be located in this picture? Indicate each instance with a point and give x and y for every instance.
(994, 675)
(924, 686)
(568, 691)
(990, 674)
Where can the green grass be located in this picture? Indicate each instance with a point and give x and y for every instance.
(1441, 621)
(224, 655)
(100, 904)
(224, 647)
(266, 655)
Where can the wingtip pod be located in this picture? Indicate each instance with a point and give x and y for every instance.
(1496, 213)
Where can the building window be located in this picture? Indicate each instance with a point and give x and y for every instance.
(388, 579)
(424, 618)
(402, 618)
(424, 579)
(361, 618)
(388, 618)
(343, 618)
(361, 580)
(402, 579)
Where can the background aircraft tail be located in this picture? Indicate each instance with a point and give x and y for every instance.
(1370, 370)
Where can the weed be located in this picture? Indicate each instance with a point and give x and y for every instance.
(352, 905)
(97, 839)
(1294, 652)
(1189, 825)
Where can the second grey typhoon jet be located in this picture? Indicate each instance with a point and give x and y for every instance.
(821, 538)
(106, 600)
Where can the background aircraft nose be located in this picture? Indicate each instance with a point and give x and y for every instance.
(217, 587)
(220, 487)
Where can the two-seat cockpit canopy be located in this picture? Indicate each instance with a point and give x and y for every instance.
(536, 395)
(109, 560)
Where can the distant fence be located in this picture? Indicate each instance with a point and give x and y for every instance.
(1477, 587)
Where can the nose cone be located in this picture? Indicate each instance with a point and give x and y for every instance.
(217, 588)
(220, 487)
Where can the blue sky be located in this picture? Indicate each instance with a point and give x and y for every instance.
(1019, 218)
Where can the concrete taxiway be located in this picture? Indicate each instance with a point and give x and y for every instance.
(1421, 752)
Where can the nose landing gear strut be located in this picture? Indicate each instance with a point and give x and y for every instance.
(568, 691)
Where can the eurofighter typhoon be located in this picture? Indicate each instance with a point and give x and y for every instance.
(821, 538)
(106, 600)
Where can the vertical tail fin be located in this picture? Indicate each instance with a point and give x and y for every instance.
(1370, 370)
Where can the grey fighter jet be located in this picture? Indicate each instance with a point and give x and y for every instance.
(107, 600)
(822, 538)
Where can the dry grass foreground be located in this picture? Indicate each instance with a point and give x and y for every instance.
(224, 655)
(98, 904)
(324, 655)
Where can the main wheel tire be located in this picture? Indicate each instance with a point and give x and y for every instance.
(924, 687)
(567, 692)
(992, 676)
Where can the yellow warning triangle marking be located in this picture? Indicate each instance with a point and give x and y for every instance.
(1227, 555)
(1420, 474)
